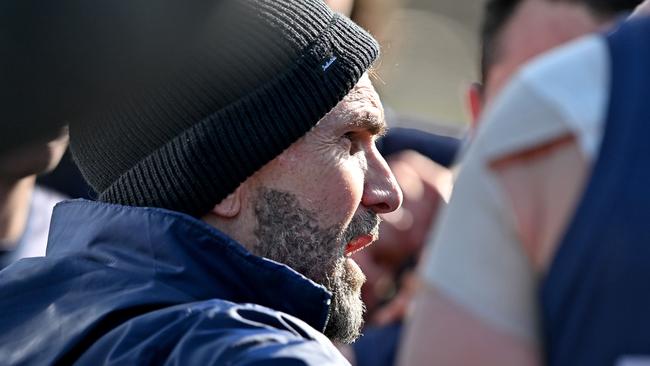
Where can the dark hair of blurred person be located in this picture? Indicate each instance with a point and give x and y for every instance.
(25, 208)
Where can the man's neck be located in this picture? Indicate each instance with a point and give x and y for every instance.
(15, 198)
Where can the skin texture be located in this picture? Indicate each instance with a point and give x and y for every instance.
(290, 234)
(440, 329)
(325, 188)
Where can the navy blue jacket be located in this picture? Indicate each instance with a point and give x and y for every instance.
(124, 285)
(596, 297)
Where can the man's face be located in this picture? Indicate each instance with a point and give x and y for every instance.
(317, 203)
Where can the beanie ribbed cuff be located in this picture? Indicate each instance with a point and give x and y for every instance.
(209, 160)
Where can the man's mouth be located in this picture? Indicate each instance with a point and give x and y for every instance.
(358, 243)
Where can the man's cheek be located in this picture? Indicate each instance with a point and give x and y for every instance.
(353, 176)
(334, 205)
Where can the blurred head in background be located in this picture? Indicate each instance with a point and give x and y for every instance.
(514, 31)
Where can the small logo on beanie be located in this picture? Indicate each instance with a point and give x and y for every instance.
(326, 65)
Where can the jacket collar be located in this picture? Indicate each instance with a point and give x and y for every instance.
(184, 253)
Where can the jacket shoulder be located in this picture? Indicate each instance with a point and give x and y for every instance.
(213, 332)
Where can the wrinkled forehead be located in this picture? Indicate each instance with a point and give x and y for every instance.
(361, 104)
(364, 91)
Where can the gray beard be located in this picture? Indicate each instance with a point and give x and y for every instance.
(290, 234)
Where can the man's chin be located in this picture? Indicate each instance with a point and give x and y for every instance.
(355, 275)
(346, 311)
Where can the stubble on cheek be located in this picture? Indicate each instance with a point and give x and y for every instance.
(290, 234)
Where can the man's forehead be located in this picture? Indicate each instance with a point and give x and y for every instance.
(365, 91)
(360, 108)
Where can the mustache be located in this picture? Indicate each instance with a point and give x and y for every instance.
(366, 222)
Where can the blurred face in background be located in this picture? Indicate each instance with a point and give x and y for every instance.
(535, 27)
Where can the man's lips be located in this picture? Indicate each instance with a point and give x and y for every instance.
(358, 243)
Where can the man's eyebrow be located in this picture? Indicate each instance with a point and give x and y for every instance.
(372, 123)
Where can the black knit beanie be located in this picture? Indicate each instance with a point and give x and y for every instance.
(262, 74)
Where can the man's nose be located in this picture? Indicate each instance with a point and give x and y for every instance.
(381, 193)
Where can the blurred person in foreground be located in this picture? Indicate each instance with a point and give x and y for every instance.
(541, 255)
(25, 207)
(229, 202)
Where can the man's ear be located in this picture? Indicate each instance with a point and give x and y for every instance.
(230, 206)
(475, 102)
